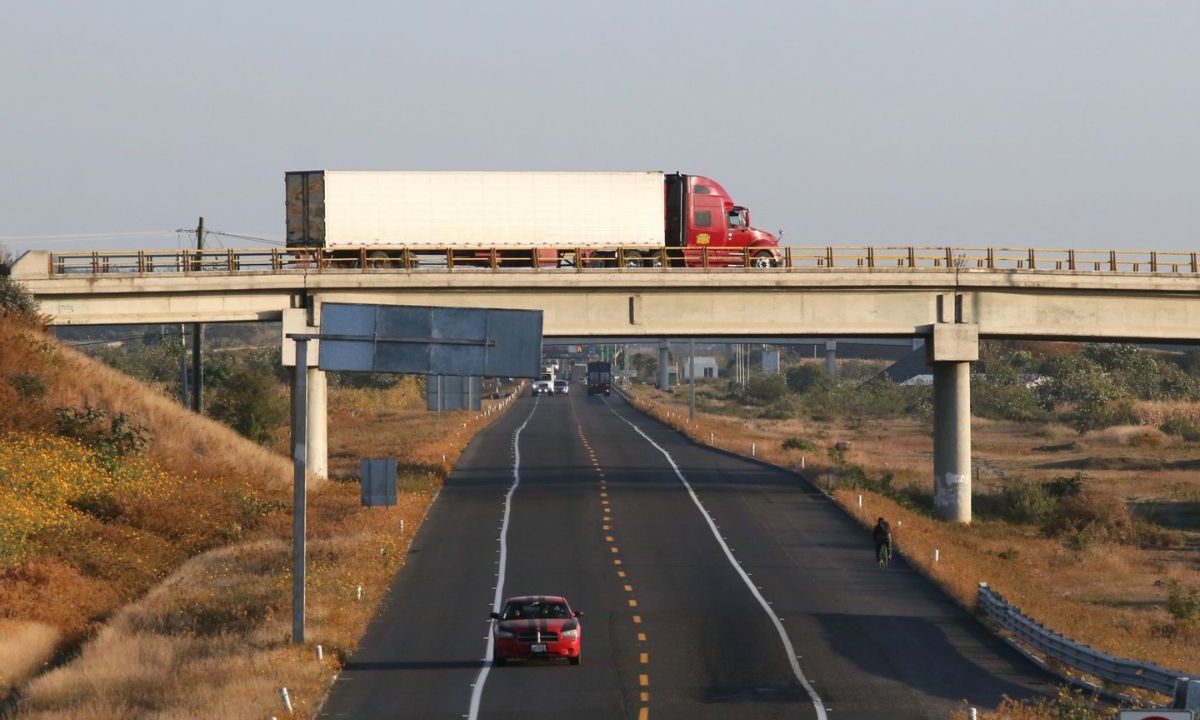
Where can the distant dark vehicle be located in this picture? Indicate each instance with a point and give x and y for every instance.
(599, 378)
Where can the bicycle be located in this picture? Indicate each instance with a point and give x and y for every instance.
(883, 554)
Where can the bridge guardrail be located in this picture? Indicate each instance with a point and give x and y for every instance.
(630, 258)
(1050, 644)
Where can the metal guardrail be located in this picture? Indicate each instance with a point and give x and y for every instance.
(632, 258)
(1050, 644)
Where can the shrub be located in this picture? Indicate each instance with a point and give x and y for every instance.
(15, 298)
(1024, 501)
(795, 443)
(1091, 517)
(1183, 604)
(765, 389)
(1069, 486)
(807, 378)
(122, 437)
(29, 385)
(249, 400)
(1183, 428)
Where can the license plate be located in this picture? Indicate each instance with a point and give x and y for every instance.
(537, 648)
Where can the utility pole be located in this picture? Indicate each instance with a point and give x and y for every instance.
(198, 337)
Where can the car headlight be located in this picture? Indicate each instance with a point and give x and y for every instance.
(504, 632)
(569, 631)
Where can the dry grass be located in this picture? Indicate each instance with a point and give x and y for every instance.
(213, 640)
(1112, 596)
(25, 647)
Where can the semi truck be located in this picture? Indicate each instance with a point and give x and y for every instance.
(599, 377)
(634, 219)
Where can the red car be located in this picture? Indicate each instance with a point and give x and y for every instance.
(536, 626)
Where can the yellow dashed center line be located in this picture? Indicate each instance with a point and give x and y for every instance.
(643, 658)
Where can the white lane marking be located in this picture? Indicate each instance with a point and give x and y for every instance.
(481, 678)
(789, 649)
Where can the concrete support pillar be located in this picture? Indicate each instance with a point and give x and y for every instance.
(952, 440)
(831, 357)
(318, 424)
(664, 367)
(955, 346)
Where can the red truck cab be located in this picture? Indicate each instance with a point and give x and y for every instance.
(701, 214)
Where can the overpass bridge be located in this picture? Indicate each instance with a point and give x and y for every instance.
(950, 297)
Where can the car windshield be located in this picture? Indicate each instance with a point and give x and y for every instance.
(560, 383)
(534, 609)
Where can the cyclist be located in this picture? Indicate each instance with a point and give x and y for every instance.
(882, 535)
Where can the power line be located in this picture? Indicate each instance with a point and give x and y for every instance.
(240, 236)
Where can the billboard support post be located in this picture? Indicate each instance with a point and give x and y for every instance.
(299, 484)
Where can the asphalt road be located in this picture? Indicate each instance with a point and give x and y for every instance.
(690, 596)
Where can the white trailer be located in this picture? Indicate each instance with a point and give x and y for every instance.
(444, 210)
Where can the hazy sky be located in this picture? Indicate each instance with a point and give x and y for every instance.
(1044, 124)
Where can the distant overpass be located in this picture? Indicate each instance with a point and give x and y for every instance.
(950, 297)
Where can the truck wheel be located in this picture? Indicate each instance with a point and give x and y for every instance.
(633, 260)
(378, 259)
(763, 260)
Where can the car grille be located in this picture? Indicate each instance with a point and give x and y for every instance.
(534, 637)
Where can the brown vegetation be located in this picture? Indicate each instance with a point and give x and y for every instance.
(212, 639)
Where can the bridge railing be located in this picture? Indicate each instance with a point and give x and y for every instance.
(631, 258)
(1051, 645)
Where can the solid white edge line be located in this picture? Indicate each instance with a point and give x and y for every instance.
(481, 678)
(783, 636)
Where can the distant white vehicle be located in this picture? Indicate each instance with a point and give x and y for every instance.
(561, 387)
(544, 385)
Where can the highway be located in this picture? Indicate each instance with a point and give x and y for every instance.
(695, 572)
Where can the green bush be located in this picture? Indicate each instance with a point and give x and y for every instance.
(1091, 517)
(1183, 604)
(1181, 428)
(807, 378)
(29, 385)
(1024, 501)
(249, 400)
(765, 389)
(15, 299)
(795, 443)
(121, 437)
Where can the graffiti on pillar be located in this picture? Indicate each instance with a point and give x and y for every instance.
(945, 489)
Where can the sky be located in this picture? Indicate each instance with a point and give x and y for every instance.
(1065, 124)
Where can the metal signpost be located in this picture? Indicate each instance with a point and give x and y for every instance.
(400, 339)
(453, 392)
